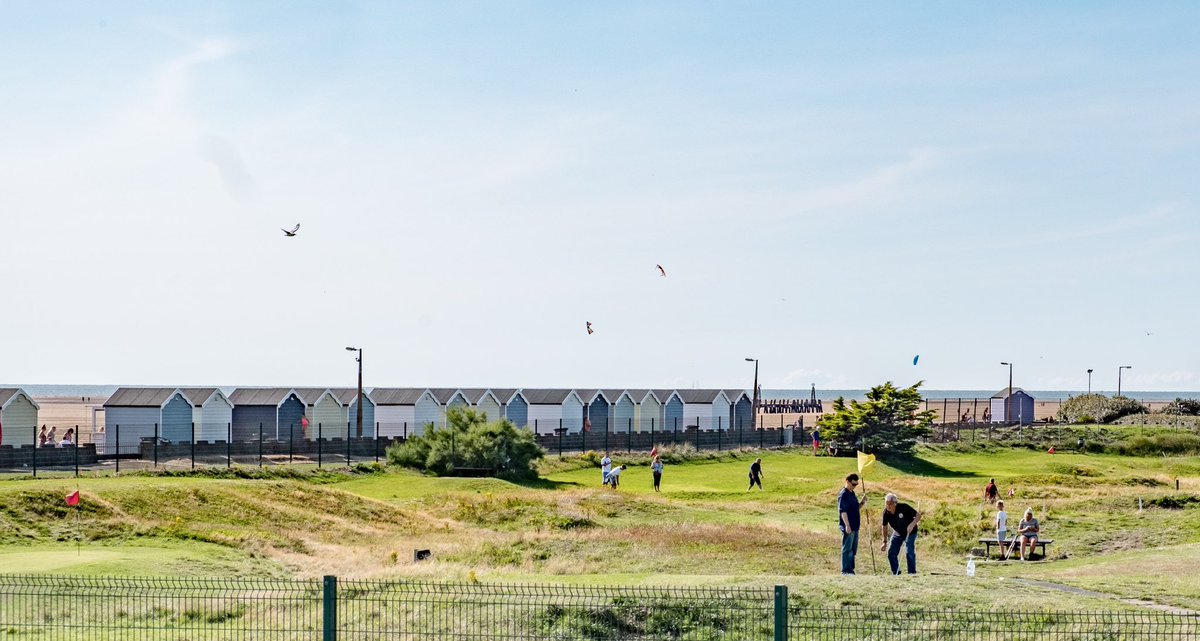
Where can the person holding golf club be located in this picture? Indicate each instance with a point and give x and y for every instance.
(903, 520)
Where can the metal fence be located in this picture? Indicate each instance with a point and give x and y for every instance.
(46, 607)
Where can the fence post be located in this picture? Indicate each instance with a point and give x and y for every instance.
(319, 448)
(718, 431)
(193, 445)
(651, 432)
(560, 435)
(156, 445)
(676, 439)
(36, 445)
(118, 447)
(291, 441)
(606, 430)
(376, 441)
(781, 613)
(329, 610)
(228, 445)
(629, 436)
(260, 439)
(348, 443)
(78, 443)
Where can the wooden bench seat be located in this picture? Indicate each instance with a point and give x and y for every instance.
(1003, 547)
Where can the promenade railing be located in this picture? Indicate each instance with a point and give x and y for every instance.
(329, 609)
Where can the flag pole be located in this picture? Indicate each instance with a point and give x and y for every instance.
(870, 530)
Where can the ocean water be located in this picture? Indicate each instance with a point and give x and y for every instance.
(68, 391)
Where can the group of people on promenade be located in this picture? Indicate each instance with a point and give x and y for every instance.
(50, 439)
(791, 406)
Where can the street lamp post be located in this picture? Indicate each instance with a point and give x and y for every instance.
(1008, 399)
(358, 414)
(1123, 367)
(1089, 380)
(754, 392)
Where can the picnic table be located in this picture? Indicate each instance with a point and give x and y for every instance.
(1004, 545)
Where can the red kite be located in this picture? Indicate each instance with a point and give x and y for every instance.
(589, 328)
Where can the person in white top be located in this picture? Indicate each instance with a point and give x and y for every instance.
(657, 468)
(605, 468)
(614, 477)
(1001, 522)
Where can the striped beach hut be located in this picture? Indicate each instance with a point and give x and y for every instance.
(672, 409)
(278, 410)
(706, 408)
(18, 417)
(212, 412)
(548, 408)
(404, 411)
(369, 425)
(140, 412)
(647, 414)
(741, 409)
(513, 405)
(623, 410)
(484, 401)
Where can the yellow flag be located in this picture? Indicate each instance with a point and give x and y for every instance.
(865, 461)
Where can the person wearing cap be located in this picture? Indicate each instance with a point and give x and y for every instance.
(902, 518)
(848, 522)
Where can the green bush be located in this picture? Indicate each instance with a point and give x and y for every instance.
(1158, 444)
(469, 441)
(1097, 408)
(1182, 407)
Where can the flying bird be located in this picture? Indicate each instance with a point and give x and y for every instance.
(661, 272)
(1149, 333)
(289, 234)
(915, 359)
(589, 328)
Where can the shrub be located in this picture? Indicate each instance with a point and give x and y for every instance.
(889, 422)
(1182, 407)
(1097, 408)
(469, 441)
(1158, 444)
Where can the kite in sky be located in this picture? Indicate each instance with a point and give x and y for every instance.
(661, 272)
(915, 359)
(289, 234)
(589, 328)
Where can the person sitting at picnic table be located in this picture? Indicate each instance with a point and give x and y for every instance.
(1028, 530)
(68, 439)
(990, 492)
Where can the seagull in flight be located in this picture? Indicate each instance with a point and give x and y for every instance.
(661, 272)
(289, 234)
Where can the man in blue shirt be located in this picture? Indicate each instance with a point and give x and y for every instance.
(848, 522)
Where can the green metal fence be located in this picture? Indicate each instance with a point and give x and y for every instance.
(51, 607)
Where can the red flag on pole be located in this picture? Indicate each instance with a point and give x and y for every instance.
(73, 498)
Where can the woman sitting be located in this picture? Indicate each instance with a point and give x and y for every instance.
(1028, 530)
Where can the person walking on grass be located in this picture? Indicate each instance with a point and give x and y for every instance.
(990, 492)
(657, 467)
(903, 520)
(755, 474)
(605, 468)
(848, 522)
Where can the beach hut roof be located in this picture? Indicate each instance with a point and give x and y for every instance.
(589, 395)
(343, 395)
(734, 395)
(142, 396)
(274, 396)
(475, 395)
(1016, 390)
(445, 394)
(200, 395)
(397, 395)
(639, 395)
(700, 395)
(551, 396)
(507, 394)
(664, 395)
(10, 394)
(614, 395)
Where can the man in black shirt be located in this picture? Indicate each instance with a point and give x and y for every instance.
(755, 474)
(848, 522)
(903, 520)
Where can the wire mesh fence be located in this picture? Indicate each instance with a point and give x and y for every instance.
(58, 607)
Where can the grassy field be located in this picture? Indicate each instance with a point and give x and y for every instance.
(703, 529)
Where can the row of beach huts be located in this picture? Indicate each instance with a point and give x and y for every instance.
(208, 414)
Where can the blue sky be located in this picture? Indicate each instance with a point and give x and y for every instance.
(832, 190)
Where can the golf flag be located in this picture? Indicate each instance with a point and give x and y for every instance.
(73, 498)
(865, 461)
